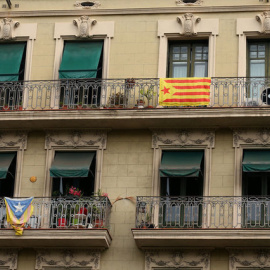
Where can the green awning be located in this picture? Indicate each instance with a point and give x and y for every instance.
(11, 58)
(5, 161)
(71, 164)
(80, 60)
(256, 161)
(181, 163)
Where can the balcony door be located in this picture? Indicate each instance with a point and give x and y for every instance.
(12, 67)
(256, 188)
(188, 59)
(181, 188)
(80, 68)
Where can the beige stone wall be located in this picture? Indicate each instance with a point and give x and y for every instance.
(26, 259)
(34, 165)
(135, 47)
(222, 175)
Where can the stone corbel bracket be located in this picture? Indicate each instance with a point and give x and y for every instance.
(188, 22)
(84, 25)
(264, 20)
(181, 3)
(7, 27)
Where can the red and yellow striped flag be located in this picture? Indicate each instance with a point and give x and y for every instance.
(184, 91)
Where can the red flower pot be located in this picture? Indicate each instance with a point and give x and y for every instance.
(62, 222)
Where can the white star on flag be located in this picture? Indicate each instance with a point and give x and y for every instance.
(19, 207)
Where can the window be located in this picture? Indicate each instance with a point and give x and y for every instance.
(258, 59)
(188, 59)
(7, 173)
(73, 169)
(81, 60)
(11, 70)
(256, 188)
(181, 174)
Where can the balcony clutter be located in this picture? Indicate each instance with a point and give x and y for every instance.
(88, 94)
(65, 213)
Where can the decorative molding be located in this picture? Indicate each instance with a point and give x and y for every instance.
(178, 258)
(181, 2)
(13, 139)
(264, 20)
(9, 258)
(85, 25)
(67, 258)
(7, 27)
(78, 4)
(76, 138)
(249, 258)
(188, 22)
(251, 137)
(183, 138)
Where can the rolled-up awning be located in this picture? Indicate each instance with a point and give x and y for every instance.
(80, 60)
(71, 164)
(256, 161)
(11, 58)
(181, 163)
(5, 161)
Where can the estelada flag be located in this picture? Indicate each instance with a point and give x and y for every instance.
(193, 91)
(18, 212)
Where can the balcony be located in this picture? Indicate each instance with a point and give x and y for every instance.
(202, 221)
(132, 103)
(61, 222)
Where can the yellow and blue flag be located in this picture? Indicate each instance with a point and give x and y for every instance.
(18, 212)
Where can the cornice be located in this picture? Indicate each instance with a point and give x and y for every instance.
(134, 11)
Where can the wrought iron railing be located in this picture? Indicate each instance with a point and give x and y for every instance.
(123, 93)
(203, 212)
(60, 213)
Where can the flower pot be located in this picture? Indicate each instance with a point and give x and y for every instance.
(62, 222)
(99, 223)
(83, 211)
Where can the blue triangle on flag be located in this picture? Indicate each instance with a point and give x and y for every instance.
(18, 206)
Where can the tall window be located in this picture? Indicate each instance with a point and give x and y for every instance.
(7, 173)
(256, 188)
(81, 60)
(12, 66)
(73, 169)
(258, 58)
(188, 59)
(181, 182)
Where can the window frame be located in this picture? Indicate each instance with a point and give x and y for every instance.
(75, 141)
(170, 30)
(191, 44)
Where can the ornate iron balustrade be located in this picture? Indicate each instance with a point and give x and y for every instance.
(203, 212)
(59, 213)
(123, 93)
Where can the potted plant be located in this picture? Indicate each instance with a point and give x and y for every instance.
(98, 209)
(148, 93)
(79, 106)
(140, 103)
(62, 106)
(130, 83)
(117, 100)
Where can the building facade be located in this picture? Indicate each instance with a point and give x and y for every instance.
(188, 186)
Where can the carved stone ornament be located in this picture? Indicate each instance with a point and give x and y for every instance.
(7, 27)
(85, 25)
(96, 4)
(188, 22)
(13, 139)
(176, 259)
(52, 258)
(264, 20)
(251, 137)
(76, 138)
(8, 258)
(183, 138)
(182, 2)
(249, 258)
